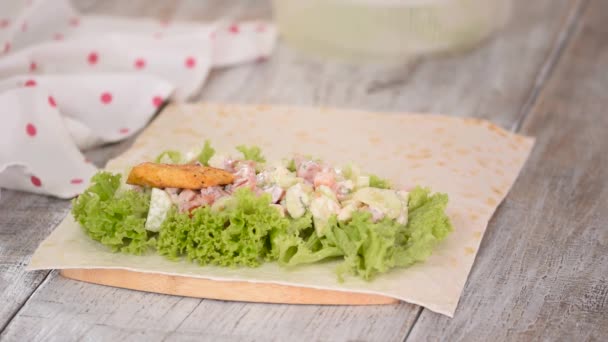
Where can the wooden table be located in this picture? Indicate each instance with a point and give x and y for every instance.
(541, 272)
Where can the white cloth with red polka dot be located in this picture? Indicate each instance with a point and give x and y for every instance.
(69, 82)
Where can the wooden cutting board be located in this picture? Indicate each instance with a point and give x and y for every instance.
(223, 290)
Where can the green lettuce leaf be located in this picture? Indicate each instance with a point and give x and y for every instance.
(377, 182)
(428, 224)
(370, 248)
(291, 165)
(169, 157)
(300, 244)
(113, 217)
(251, 153)
(206, 153)
(239, 236)
(249, 231)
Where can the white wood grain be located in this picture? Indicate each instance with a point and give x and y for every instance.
(493, 82)
(25, 220)
(68, 310)
(542, 271)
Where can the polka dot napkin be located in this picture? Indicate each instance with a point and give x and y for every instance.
(70, 82)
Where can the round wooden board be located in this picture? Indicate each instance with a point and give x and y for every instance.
(223, 290)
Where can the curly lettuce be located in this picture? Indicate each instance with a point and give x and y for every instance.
(369, 248)
(291, 165)
(112, 216)
(206, 153)
(248, 231)
(377, 182)
(428, 224)
(237, 236)
(251, 153)
(169, 157)
(300, 244)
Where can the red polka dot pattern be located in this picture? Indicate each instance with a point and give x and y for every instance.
(138, 94)
(157, 101)
(93, 58)
(36, 181)
(190, 62)
(106, 98)
(140, 63)
(30, 129)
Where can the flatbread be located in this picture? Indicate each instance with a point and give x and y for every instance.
(473, 161)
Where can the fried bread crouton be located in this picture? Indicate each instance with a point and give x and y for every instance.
(184, 176)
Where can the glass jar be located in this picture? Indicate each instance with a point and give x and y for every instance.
(387, 30)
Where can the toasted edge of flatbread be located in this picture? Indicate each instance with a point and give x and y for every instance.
(183, 176)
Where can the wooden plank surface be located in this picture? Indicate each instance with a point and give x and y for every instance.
(71, 311)
(542, 271)
(25, 220)
(494, 82)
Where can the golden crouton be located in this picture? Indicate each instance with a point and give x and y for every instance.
(185, 176)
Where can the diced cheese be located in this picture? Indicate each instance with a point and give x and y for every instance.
(389, 202)
(296, 200)
(326, 191)
(160, 203)
(283, 177)
(322, 208)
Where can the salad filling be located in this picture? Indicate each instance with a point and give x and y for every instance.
(296, 211)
